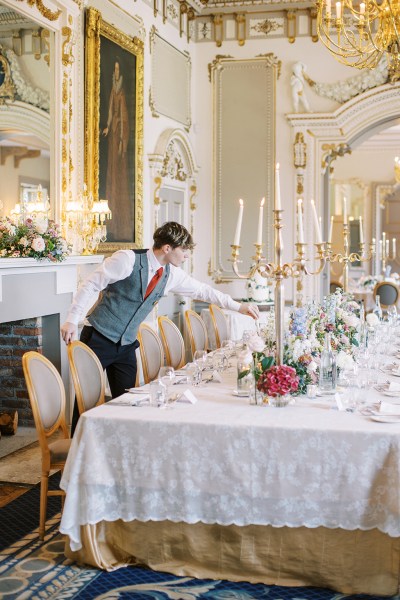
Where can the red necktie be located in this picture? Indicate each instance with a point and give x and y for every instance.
(153, 281)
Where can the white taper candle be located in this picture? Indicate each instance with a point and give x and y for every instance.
(260, 222)
(278, 204)
(316, 223)
(300, 232)
(236, 240)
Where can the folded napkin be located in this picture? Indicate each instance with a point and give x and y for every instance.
(394, 386)
(128, 400)
(388, 408)
(187, 396)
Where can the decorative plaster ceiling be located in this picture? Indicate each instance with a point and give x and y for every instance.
(212, 7)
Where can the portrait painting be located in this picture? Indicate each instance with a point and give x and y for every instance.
(114, 128)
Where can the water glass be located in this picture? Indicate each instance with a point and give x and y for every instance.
(193, 374)
(157, 393)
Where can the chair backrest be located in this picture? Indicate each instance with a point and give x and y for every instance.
(87, 375)
(172, 341)
(197, 331)
(387, 292)
(220, 324)
(46, 394)
(151, 352)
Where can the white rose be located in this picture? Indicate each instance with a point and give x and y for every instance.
(312, 367)
(41, 225)
(351, 319)
(38, 244)
(255, 343)
(10, 228)
(24, 242)
(372, 320)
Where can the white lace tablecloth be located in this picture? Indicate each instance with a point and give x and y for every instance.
(223, 461)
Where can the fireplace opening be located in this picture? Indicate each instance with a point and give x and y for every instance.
(17, 337)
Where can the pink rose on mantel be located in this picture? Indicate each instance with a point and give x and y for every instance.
(278, 380)
(38, 244)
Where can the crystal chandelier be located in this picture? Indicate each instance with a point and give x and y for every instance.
(359, 33)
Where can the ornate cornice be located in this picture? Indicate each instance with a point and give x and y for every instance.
(44, 11)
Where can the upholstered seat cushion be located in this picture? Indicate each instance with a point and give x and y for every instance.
(59, 450)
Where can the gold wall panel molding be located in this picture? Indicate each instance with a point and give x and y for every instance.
(243, 155)
(170, 91)
(217, 63)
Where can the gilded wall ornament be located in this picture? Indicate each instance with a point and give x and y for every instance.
(266, 26)
(46, 12)
(173, 166)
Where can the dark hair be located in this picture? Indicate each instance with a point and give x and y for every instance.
(174, 234)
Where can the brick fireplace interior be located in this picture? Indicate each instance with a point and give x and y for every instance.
(17, 337)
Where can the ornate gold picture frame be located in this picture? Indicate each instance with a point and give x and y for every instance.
(114, 128)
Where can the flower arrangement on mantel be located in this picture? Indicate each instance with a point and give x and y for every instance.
(40, 239)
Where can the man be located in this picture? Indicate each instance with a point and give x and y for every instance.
(133, 282)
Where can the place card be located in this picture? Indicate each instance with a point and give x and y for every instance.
(339, 402)
(187, 396)
(216, 377)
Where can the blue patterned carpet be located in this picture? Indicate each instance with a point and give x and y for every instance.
(31, 569)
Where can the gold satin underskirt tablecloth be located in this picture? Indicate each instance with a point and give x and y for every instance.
(350, 562)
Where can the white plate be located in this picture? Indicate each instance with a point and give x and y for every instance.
(241, 394)
(385, 418)
(391, 394)
(327, 393)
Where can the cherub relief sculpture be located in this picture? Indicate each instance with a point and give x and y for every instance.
(297, 82)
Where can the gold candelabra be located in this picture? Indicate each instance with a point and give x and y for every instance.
(384, 252)
(346, 257)
(279, 271)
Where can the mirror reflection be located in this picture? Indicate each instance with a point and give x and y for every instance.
(24, 113)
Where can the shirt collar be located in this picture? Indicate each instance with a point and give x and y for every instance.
(154, 265)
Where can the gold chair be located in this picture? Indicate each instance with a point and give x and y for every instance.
(172, 341)
(151, 352)
(87, 376)
(197, 331)
(388, 293)
(220, 324)
(47, 397)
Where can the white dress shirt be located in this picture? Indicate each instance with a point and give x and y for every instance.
(119, 265)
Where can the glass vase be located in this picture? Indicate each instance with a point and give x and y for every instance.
(280, 401)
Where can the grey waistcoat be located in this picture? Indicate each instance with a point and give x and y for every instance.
(122, 307)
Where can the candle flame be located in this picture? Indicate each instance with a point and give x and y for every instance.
(262, 202)
(240, 202)
(277, 166)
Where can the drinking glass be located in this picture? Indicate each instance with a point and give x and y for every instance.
(193, 373)
(200, 358)
(167, 376)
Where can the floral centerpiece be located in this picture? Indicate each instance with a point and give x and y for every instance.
(278, 380)
(369, 281)
(40, 239)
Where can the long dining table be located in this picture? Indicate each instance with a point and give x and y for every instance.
(301, 495)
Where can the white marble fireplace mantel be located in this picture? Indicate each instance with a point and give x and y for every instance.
(31, 288)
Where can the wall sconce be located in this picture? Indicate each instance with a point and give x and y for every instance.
(17, 42)
(84, 222)
(218, 29)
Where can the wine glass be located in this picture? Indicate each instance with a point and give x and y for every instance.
(200, 358)
(167, 376)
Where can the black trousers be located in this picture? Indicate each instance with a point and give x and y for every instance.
(118, 361)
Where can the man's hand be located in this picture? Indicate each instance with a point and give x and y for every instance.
(246, 308)
(69, 332)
